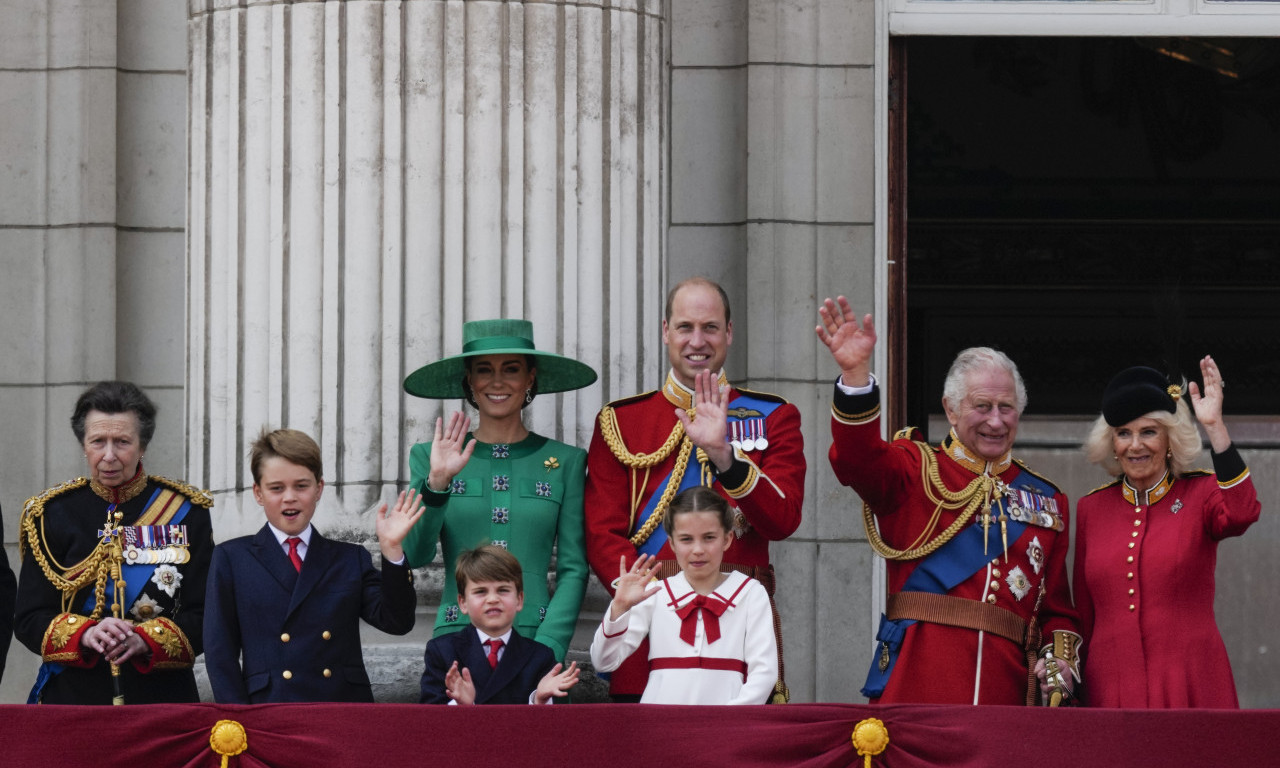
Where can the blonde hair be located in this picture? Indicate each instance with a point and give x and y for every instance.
(1179, 428)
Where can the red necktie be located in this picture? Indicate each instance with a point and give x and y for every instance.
(294, 557)
(711, 609)
(494, 647)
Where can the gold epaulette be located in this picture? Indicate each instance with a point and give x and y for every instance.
(34, 508)
(631, 399)
(1031, 471)
(197, 496)
(763, 395)
(1197, 473)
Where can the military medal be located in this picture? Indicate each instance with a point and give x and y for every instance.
(761, 441)
(735, 434)
(749, 444)
(156, 545)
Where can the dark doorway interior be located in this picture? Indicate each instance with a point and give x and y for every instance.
(1087, 204)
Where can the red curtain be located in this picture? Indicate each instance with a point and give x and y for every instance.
(329, 735)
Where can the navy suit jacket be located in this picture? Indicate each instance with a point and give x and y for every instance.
(523, 664)
(299, 632)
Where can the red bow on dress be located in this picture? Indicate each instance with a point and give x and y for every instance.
(711, 607)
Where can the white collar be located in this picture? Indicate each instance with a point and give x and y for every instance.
(283, 537)
(505, 637)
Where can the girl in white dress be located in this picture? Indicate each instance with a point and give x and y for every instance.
(710, 634)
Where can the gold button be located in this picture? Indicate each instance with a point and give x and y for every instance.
(1134, 534)
(1130, 560)
(1131, 591)
(1131, 545)
(996, 561)
(327, 673)
(991, 598)
(325, 634)
(1131, 574)
(995, 586)
(995, 572)
(158, 630)
(289, 675)
(1132, 607)
(1137, 522)
(284, 638)
(71, 619)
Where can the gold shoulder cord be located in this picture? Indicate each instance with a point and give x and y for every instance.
(195, 495)
(974, 495)
(613, 438)
(69, 580)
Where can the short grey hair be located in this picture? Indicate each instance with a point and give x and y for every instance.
(973, 360)
(1180, 427)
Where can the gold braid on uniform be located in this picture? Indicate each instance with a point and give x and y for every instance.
(195, 495)
(69, 580)
(96, 568)
(613, 438)
(974, 495)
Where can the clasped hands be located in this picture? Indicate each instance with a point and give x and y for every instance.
(115, 639)
(555, 684)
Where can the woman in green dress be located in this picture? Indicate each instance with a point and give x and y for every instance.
(502, 483)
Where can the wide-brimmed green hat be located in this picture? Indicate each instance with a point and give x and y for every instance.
(442, 380)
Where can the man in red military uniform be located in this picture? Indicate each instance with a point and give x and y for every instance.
(695, 430)
(976, 543)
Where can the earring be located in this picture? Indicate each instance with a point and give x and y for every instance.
(528, 396)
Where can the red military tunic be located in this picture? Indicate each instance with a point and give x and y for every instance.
(1144, 585)
(766, 486)
(938, 663)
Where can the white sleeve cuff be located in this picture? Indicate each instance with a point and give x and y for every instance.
(857, 390)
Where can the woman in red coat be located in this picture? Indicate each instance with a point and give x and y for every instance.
(1146, 545)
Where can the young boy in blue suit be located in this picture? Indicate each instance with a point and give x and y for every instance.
(283, 607)
(492, 663)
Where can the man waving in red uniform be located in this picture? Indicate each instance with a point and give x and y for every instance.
(976, 543)
(696, 430)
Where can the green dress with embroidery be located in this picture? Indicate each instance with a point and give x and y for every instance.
(527, 497)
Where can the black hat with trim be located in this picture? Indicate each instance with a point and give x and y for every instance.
(1137, 391)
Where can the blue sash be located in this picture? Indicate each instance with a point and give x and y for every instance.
(949, 566)
(743, 408)
(135, 577)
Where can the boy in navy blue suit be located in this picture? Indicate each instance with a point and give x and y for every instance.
(283, 607)
(492, 663)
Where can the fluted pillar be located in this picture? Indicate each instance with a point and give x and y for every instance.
(366, 175)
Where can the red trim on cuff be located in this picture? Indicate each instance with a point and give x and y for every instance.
(61, 642)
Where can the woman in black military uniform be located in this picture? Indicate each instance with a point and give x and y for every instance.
(111, 591)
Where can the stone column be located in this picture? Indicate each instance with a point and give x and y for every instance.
(772, 193)
(91, 109)
(366, 175)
